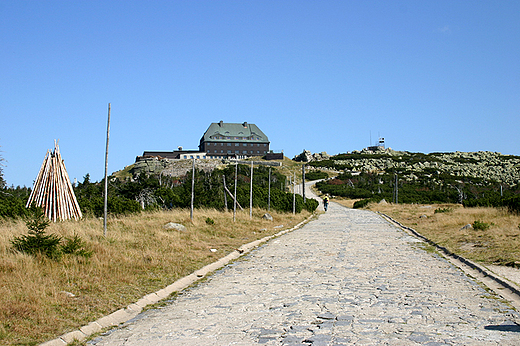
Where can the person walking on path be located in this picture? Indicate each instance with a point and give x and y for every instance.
(326, 203)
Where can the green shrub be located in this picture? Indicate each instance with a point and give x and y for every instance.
(12, 202)
(361, 204)
(443, 210)
(75, 246)
(210, 221)
(37, 241)
(311, 204)
(315, 175)
(481, 226)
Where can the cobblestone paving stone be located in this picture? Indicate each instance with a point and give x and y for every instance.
(348, 278)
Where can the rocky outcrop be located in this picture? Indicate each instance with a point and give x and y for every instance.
(169, 167)
(307, 156)
(485, 165)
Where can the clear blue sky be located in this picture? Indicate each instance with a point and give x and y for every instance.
(429, 76)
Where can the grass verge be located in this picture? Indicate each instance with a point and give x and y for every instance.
(41, 299)
(447, 225)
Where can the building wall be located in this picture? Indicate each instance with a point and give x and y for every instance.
(235, 148)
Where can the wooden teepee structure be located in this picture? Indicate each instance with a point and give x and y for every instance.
(52, 190)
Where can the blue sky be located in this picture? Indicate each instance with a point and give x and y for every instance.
(429, 76)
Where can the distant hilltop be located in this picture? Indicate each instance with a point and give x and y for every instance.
(481, 165)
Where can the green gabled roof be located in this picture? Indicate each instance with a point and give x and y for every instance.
(234, 132)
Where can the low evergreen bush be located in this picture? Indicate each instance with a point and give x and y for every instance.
(481, 226)
(37, 241)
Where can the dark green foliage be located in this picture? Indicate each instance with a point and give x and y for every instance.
(210, 221)
(363, 203)
(315, 175)
(443, 210)
(75, 246)
(311, 204)
(13, 200)
(121, 197)
(37, 241)
(168, 192)
(512, 203)
(425, 186)
(481, 226)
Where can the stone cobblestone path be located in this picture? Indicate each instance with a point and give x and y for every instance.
(348, 278)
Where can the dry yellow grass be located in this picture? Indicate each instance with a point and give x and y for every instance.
(500, 244)
(137, 257)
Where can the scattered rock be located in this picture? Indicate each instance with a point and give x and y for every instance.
(423, 217)
(213, 250)
(326, 316)
(267, 217)
(68, 294)
(383, 201)
(468, 226)
(174, 226)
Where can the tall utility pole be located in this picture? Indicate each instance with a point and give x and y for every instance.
(106, 173)
(396, 189)
(235, 199)
(251, 195)
(294, 195)
(225, 196)
(303, 182)
(192, 188)
(269, 192)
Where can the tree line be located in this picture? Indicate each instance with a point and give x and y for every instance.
(165, 192)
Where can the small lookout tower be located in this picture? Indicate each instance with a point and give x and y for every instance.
(380, 145)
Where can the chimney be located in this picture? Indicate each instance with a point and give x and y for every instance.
(221, 123)
(245, 124)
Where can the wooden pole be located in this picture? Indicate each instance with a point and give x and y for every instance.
(269, 192)
(235, 198)
(106, 176)
(294, 195)
(303, 182)
(251, 194)
(192, 188)
(225, 188)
